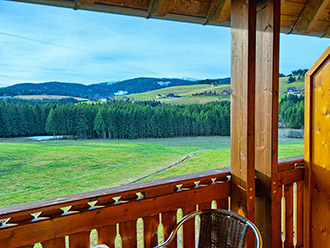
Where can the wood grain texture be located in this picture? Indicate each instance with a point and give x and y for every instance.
(223, 204)
(54, 243)
(158, 7)
(188, 231)
(309, 13)
(267, 88)
(267, 62)
(288, 193)
(317, 138)
(150, 231)
(169, 222)
(128, 233)
(216, 9)
(320, 152)
(291, 176)
(243, 33)
(300, 214)
(196, 11)
(204, 205)
(79, 240)
(106, 235)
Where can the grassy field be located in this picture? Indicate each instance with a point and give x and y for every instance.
(36, 170)
(299, 84)
(185, 92)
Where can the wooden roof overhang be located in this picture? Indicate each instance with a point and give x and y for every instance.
(305, 17)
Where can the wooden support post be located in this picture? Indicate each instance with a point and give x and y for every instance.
(267, 86)
(243, 33)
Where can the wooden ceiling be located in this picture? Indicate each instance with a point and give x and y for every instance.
(306, 17)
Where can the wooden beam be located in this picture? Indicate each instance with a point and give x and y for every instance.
(318, 14)
(216, 10)
(87, 2)
(267, 87)
(158, 7)
(307, 16)
(243, 14)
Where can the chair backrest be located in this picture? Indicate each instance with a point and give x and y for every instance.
(222, 229)
(219, 229)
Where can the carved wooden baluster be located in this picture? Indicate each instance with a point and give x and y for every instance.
(204, 205)
(283, 216)
(54, 243)
(150, 230)
(127, 231)
(222, 204)
(188, 231)
(300, 214)
(80, 240)
(288, 193)
(295, 214)
(169, 223)
(106, 235)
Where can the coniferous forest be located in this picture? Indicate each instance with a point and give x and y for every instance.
(116, 120)
(131, 120)
(291, 111)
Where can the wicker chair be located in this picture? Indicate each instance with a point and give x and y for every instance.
(219, 229)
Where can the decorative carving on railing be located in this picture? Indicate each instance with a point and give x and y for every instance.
(50, 221)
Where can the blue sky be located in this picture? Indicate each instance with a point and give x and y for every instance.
(42, 43)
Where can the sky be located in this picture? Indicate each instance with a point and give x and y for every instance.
(42, 43)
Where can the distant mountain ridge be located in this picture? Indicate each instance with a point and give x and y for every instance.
(104, 89)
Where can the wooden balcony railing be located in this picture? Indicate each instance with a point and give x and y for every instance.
(291, 177)
(68, 221)
(114, 211)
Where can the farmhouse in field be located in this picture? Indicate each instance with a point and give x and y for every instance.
(292, 90)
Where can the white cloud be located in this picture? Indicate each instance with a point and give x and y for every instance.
(42, 43)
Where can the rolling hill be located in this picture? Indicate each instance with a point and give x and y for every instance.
(130, 86)
(184, 94)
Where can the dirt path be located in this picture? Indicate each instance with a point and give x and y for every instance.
(166, 168)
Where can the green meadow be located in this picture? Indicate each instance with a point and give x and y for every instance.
(186, 92)
(31, 170)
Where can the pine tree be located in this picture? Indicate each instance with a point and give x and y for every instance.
(100, 126)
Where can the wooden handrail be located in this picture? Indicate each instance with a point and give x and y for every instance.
(290, 163)
(85, 197)
(120, 205)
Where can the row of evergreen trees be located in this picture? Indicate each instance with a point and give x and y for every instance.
(116, 120)
(291, 111)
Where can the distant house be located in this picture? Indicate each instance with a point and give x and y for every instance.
(225, 92)
(159, 96)
(172, 95)
(292, 90)
(103, 100)
(124, 98)
(120, 93)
